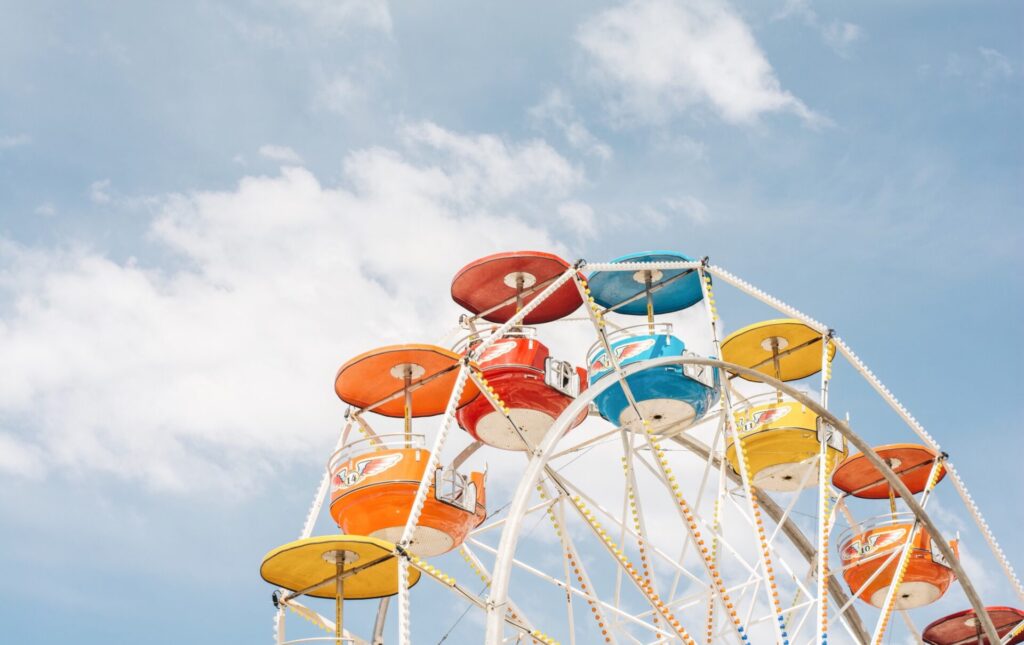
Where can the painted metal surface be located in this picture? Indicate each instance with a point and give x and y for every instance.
(302, 564)
(488, 287)
(668, 383)
(869, 571)
(911, 463)
(516, 367)
(372, 493)
(780, 439)
(610, 288)
(964, 628)
(784, 348)
(368, 380)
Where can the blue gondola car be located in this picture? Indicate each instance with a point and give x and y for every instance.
(669, 397)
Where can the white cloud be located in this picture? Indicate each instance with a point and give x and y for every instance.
(328, 19)
(837, 34)
(841, 35)
(995, 64)
(684, 147)
(99, 191)
(14, 140)
(579, 218)
(339, 94)
(485, 164)
(210, 374)
(644, 216)
(18, 457)
(986, 67)
(284, 154)
(690, 207)
(46, 209)
(662, 57)
(558, 109)
(665, 212)
(954, 64)
(337, 15)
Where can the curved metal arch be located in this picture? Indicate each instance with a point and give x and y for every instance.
(501, 574)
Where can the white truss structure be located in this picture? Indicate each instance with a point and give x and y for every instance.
(683, 549)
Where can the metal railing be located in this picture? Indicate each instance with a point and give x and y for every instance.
(633, 331)
(465, 342)
(836, 441)
(902, 518)
(452, 487)
(389, 441)
(562, 376)
(764, 398)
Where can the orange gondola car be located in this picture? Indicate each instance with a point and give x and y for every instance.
(374, 480)
(374, 483)
(870, 555)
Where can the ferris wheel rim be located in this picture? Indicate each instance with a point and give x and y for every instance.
(843, 429)
(501, 572)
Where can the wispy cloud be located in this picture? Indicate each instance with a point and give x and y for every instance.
(99, 191)
(487, 165)
(578, 218)
(284, 154)
(19, 457)
(995, 64)
(339, 94)
(338, 15)
(661, 57)
(690, 207)
(317, 18)
(986, 66)
(660, 215)
(14, 140)
(839, 35)
(557, 109)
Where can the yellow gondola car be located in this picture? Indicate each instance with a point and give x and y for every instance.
(781, 440)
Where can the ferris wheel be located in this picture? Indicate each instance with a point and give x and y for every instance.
(662, 479)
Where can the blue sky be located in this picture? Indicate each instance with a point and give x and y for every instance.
(206, 207)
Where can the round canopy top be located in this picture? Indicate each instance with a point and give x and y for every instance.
(375, 380)
(797, 346)
(911, 463)
(962, 628)
(671, 289)
(488, 286)
(303, 563)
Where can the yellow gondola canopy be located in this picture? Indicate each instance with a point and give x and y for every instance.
(302, 563)
(784, 348)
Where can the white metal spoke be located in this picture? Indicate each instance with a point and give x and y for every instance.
(575, 591)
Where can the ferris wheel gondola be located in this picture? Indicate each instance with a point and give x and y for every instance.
(338, 567)
(374, 480)
(533, 386)
(673, 396)
(782, 438)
